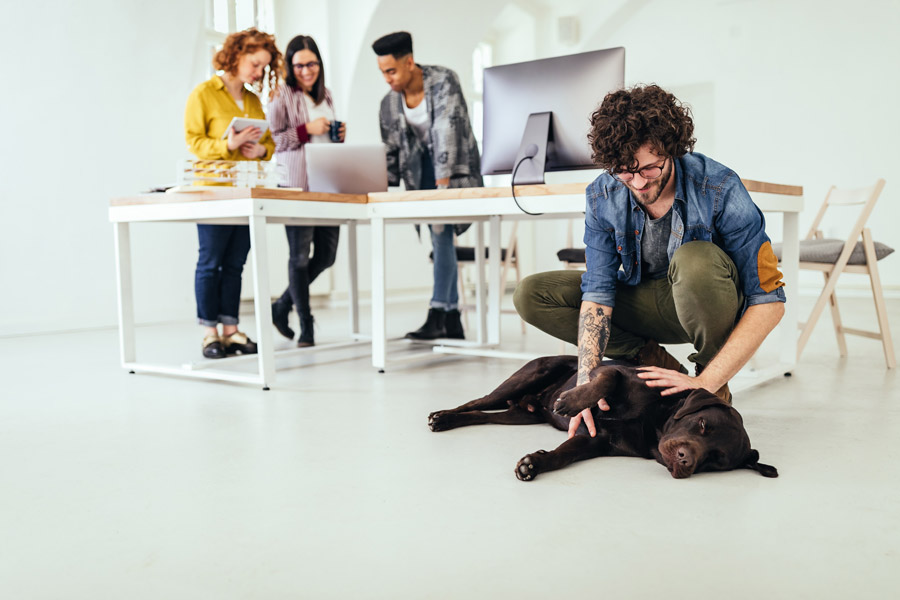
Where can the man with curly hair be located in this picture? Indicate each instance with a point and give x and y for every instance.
(674, 243)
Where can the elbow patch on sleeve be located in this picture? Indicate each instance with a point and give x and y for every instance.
(767, 267)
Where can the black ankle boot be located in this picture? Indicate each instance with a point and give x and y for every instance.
(306, 331)
(453, 325)
(433, 327)
(280, 320)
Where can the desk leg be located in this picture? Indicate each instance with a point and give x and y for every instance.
(122, 236)
(354, 279)
(790, 262)
(480, 305)
(379, 329)
(494, 283)
(259, 252)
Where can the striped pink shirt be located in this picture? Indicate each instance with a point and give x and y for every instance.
(288, 116)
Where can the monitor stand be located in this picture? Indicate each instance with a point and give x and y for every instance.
(532, 154)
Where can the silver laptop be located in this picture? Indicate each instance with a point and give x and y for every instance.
(346, 168)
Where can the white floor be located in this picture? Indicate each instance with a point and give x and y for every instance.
(331, 485)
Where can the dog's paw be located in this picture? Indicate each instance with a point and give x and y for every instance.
(527, 468)
(437, 421)
(568, 404)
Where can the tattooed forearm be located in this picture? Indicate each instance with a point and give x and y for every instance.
(593, 335)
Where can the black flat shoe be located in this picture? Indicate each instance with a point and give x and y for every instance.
(280, 320)
(212, 347)
(239, 343)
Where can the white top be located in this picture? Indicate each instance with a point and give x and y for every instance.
(316, 111)
(240, 103)
(417, 118)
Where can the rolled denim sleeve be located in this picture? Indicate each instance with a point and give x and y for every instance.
(598, 284)
(775, 296)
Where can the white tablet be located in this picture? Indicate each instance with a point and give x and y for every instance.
(240, 123)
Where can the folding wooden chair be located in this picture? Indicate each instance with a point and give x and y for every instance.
(835, 256)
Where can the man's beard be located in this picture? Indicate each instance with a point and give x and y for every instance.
(652, 195)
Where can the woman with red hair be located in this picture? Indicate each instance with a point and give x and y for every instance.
(247, 59)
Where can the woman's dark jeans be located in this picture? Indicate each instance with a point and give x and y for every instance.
(303, 268)
(217, 280)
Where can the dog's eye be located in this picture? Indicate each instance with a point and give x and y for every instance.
(702, 424)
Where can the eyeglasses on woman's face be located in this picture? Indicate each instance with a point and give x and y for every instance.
(312, 66)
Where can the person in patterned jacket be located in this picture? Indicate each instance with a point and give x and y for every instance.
(430, 145)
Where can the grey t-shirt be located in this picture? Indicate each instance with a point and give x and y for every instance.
(654, 245)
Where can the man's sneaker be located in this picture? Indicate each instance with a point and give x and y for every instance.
(453, 325)
(433, 327)
(654, 355)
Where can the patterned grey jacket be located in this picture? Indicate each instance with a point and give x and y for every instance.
(452, 144)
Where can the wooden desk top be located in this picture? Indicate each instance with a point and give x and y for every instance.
(477, 193)
(545, 190)
(207, 193)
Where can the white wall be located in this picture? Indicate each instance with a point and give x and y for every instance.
(796, 91)
(98, 114)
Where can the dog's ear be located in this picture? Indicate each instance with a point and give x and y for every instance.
(697, 400)
(752, 462)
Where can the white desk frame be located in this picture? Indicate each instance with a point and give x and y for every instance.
(259, 208)
(450, 206)
(243, 208)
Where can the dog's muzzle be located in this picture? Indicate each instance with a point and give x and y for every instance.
(680, 456)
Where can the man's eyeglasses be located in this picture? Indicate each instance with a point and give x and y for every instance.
(312, 66)
(648, 173)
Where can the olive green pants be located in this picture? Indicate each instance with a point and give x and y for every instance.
(697, 303)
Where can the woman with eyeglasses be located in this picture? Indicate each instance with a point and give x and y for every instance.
(301, 113)
(248, 58)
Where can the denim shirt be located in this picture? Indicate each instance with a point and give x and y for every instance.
(711, 204)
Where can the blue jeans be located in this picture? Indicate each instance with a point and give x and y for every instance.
(445, 294)
(217, 280)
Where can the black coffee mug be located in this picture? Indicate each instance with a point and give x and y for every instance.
(335, 131)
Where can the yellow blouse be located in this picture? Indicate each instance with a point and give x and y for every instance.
(207, 115)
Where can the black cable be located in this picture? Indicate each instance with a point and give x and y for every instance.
(513, 186)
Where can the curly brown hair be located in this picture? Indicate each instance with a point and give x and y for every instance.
(628, 119)
(249, 41)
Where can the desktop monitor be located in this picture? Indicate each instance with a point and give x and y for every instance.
(537, 113)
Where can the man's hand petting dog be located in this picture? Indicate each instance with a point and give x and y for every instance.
(672, 381)
(578, 401)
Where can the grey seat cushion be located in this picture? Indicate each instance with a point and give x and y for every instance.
(573, 255)
(828, 250)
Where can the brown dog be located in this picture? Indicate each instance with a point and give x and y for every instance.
(686, 432)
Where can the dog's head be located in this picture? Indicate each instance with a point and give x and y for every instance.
(705, 434)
